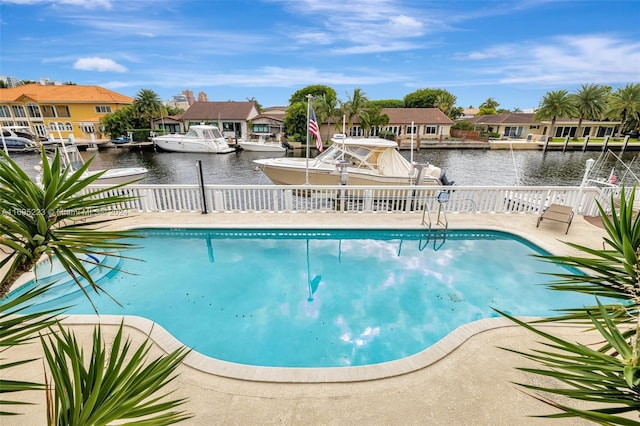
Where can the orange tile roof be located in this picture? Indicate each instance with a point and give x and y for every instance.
(66, 93)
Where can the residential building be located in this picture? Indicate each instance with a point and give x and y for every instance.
(231, 117)
(269, 124)
(405, 123)
(521, 125)
(60, 111)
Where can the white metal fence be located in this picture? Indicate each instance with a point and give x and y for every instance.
(348, 199)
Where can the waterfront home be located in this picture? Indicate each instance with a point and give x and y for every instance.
(521, 125)
(67, 111)
(231, 117)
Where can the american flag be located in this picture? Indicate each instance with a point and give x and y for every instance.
(314, 130)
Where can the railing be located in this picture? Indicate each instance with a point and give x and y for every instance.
(349, 199)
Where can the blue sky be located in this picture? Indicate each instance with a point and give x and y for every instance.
(512, 51)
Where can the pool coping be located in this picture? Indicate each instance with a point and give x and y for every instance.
(167, 342)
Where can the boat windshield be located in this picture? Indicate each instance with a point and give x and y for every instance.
(356, 155)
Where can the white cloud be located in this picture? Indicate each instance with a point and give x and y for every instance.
(98, 64)
(86, 4)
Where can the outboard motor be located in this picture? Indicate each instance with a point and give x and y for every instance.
(444, 180)
(287, 145)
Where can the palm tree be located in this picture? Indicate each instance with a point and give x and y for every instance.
(355, 106)
(556, 104)
(624, 103)
(325, 108)
(590, 102)
(445, 102)
(147, 105)
(608, 375)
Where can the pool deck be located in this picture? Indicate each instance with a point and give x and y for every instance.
(469, 382)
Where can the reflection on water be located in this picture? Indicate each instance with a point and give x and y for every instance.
(464, 166)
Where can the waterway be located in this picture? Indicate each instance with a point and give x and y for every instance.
(479, 167)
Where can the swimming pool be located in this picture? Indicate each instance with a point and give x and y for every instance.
(329, 298)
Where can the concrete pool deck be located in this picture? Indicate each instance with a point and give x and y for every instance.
(471, 385)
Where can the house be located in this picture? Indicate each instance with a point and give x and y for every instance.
(169, 124)
(421, 123)
(521, 125)
(269, 124)
(60, 111)
(231, 117)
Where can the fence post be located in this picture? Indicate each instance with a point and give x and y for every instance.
(203, 194)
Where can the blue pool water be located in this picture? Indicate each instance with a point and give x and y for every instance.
(309, 298)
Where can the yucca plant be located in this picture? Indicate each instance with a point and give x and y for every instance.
(62, 218)
(606, 374)
(19, 328)
(112, 386)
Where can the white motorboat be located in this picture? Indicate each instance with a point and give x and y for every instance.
(353, 161)
(200, 139)
(71, 158)
(13, 141)
(262, 146)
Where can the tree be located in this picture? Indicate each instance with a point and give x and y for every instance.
(624, 104)
(374, 119)
(258, 106)
(446, 103)
(355, 106)
(325, 108)
(295, 121)
(147, 105)
(316, 91)
(555, 104)
(387, 103)
(609, 375)
(121, 121)
(424, 98)
(590, 103)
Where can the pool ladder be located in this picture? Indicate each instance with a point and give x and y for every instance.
(441, 220)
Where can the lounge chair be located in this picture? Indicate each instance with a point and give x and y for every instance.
(558, 213)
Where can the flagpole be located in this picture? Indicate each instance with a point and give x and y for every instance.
(306, 177)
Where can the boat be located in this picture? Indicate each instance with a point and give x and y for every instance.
(262, 146)
(200, 139)
(120, 140)
(353, 161)
(13, 141)
(71, 158)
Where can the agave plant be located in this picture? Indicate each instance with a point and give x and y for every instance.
(606, 374)
(112, 386)
(62, 218)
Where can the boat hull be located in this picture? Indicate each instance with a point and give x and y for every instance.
(262, 147)
(191, 146)
(283, 175)
(117, 176)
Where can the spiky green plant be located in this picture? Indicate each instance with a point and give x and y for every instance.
(19, 328)
(607, 374)
(62, 217)
(110, 387)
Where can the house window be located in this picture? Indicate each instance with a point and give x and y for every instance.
(430, 130)
(260, 128)
(394, 129)
(87, 128)
(62, 111)
(4, 111)
(22, 123)
(564, 131)
(52, 126)
(41, 130)
(514, 131)
(586, 131)
(48, 110)
(356, 131)
(411, 130)
(18, 111)
(34, 110)
(68, 126)
(374, 131)
(103, 109)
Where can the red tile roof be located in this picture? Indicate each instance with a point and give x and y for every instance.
(65, 93)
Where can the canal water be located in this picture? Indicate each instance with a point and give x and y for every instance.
(479, 167)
